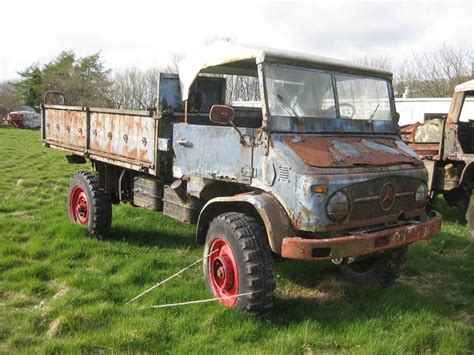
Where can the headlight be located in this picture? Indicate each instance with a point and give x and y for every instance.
(421, 195)
(338, 206)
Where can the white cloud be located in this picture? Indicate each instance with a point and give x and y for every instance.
(145, 33)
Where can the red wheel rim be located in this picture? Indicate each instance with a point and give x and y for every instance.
(78, 205)
(223, 274)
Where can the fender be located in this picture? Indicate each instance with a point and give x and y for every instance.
(262, 206)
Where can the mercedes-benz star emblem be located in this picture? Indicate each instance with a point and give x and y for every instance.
(387, 196)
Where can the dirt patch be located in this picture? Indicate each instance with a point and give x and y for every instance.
(18, 214)
(63, 289)
(43, 308)
(19, 300)
(425, 284)
(466, 317)
(327, 290)
(53, 328)
(432, 283)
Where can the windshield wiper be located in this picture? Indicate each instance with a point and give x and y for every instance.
(290, 110)
(373, 114)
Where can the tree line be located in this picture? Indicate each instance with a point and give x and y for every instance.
(431, 73)
(85, 81)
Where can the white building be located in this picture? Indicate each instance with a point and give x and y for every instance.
(416, 110)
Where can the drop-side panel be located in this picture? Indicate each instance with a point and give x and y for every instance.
(65, 126)
(123, 138)
(129, 137)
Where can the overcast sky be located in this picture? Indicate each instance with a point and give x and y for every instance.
(146, 33)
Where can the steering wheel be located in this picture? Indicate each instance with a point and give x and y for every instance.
(352, 109)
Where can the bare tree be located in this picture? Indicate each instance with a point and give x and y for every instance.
(176, 58)
(133, 88)
(217, 38)
(375, 60)
(8, 100)
(431, 73)
(241, 88)
(436, 72)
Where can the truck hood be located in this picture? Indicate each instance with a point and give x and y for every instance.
(343, 152)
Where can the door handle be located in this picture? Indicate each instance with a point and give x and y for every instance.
(184, 142)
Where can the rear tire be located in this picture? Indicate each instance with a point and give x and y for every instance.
(240, 262)
(383, 269)
(88, 205)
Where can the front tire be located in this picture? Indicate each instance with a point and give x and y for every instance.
(239, 262)
(383, 269)
(88, 205)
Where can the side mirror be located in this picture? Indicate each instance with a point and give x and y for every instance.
(221, 114)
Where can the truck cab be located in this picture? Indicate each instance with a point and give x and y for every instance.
(313, 170)
(327, 149)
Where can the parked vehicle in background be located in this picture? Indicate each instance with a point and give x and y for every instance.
(446, 145)
(23, 119)
(317, 172)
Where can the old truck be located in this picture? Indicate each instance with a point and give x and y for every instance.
(318, 172)
(446, 145)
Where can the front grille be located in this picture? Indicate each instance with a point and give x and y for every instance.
(369, 199)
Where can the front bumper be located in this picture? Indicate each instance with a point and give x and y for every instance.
(359, 244)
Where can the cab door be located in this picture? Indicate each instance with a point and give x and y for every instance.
(213, 152)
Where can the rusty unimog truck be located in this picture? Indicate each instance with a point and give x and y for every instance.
(446, 145)
(317, 172)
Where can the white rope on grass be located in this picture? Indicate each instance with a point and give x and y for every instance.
(198, 301)
(172, 276)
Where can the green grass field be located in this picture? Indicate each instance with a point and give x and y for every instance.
(63, 291)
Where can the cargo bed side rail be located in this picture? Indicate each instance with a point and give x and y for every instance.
(125, 138)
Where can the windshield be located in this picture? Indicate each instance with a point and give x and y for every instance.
(363, 98)
(300, 92)
(307, 93)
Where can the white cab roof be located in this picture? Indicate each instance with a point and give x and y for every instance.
(232, 58)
